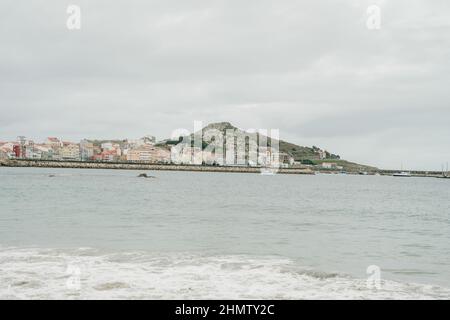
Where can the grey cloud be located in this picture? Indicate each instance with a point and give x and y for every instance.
(310, 68)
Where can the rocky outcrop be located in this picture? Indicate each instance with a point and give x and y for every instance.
(144, 175)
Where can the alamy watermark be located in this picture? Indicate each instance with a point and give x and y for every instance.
(74, 19)
(373, 21)
(227, 147)
(374, 279)
(73, 282)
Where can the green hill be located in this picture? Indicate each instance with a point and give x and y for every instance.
(306, 155)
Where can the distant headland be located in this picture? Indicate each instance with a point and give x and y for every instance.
(217, 147)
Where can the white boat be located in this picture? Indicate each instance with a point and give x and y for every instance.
(402, 174)
(445, 174)
(268, 171)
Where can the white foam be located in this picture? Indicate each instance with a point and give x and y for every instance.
(41, 274)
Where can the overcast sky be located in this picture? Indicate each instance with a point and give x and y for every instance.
(310, 68)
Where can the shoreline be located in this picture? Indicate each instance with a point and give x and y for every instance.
(132, 264)
(34, 163)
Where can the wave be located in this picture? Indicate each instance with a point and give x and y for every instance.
(85, 273)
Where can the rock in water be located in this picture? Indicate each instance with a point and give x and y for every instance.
(144, 175)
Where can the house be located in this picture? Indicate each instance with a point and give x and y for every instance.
(10, 150)
(53, 142)
(148, 140)
(106, 155)
(162, 155)
(118, 149)
(142, 153)
(70, 151)
(285, 158)
(45, 152)
(107, 146)
(86, 150)
(148, 153)
(17, 149)
(331, 166)
(322, 154)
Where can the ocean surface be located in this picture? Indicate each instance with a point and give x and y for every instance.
(107, 234)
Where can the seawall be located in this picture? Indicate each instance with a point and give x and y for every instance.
(139, 166)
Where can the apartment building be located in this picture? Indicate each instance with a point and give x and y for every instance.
(70, 151)
(148, 153)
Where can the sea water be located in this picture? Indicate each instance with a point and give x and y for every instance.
(83, 233)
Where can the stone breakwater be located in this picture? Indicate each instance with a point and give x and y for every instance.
(140, 166)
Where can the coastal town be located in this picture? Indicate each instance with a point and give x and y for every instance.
(181, 154)
(54, 148)
(217, 144)
(217, 147)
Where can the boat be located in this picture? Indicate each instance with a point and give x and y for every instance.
(445, 174)
(362, 172)
(268, 171)
(402, 174)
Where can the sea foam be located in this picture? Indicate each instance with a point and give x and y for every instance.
(34, 273)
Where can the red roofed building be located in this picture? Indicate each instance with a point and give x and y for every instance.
(106, 155)
(54, 142)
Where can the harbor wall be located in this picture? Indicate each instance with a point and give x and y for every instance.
(140, 166)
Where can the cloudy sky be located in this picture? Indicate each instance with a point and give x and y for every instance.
(310, 68)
